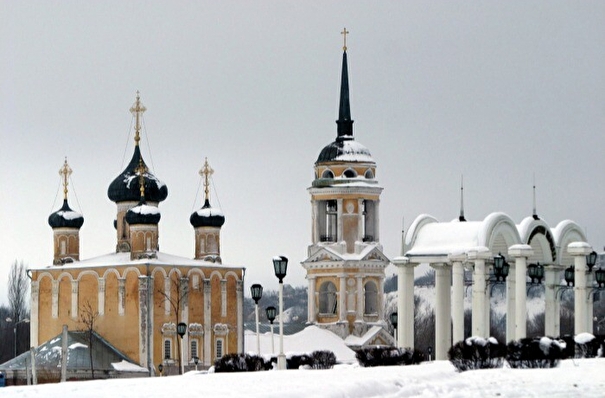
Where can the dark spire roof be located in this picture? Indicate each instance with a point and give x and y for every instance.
(207, 216)
(143, 214)
(65, 217)
(344, 122)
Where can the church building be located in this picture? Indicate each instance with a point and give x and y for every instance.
(345, 265)
(138, 295)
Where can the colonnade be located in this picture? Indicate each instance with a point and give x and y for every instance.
(450, 287)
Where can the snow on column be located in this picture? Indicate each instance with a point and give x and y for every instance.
(579, 250)
(478, 256)
(405, 302)
(443, 332)
(521, 253)
(457, 297)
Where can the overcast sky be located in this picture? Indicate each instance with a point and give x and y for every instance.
(495, 91)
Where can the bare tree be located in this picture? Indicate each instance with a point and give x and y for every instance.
(18, 289)
(88, 319)
(180, 286)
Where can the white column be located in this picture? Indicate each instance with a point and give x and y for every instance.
(457, 297)
(143, 321)
(342, 295)
(55, 298)
(34, 305)
(520, 253)
(207, 323)
(74, 299)
(360, 300)
(183, 289)
(405, 302)
(579, 250)
(511, 302)
(339, 227)
(552, 316)
(443, 336)
(311, 317)
(101, 296)
(589, 302)
(223, 297)
(478, 256)
(167, 291)
(239, 288)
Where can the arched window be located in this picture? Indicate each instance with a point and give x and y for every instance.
(327, 174)
(350, 173)
(193, 350)
(371, 298)
(369, 175)
(167, 349)
(219, 348)
(327, 298)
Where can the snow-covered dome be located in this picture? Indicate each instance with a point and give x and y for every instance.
(345, 151)
(143, 214)
(65, 217)
(125, 187)
(207, 216)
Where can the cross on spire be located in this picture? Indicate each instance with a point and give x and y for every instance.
(137, 110)
(344, 32)
(206, 172)
(65, 172)
(141, 170)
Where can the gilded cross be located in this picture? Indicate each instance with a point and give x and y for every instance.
(65, 172)
(137, 110)
(140, 171)
(345, 32)
(206, 172)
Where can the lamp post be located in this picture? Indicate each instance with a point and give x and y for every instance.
(280, 265)
(591, 260)
(393, 319)
(26, 320)
(161, 369)
(257, 292)
(430, 351)
(271, 313)
(181, 329)
(196, 360)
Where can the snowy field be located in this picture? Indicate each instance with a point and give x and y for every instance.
(579, 378)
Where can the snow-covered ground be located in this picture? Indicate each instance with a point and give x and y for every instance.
(582, 378)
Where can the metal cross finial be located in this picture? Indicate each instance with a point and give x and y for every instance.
(141, 170)
(137, 109)
(206, 172)
(344, 32)
(65, 172)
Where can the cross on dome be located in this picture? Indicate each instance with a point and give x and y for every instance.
(65, 172)
(206, 172)
(137, 110)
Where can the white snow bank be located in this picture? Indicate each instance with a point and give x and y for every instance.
(583, 338)
(125, 366)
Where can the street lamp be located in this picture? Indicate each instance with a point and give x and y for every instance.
(271, 313)
(591, 260)
(26, 320)
(536, 273)
(257, 292)
(280, 265)
(181, 329)
(430, 350)
(161, 369)
(196, 360)
(393, 319)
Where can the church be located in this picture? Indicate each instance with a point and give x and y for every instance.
(137, 295)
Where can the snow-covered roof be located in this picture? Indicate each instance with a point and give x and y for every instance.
(117, 259)
(347, 150)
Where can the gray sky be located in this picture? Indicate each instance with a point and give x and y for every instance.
(496, 91)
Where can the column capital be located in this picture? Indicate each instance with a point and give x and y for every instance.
(479, 253)
(520, 251)
(403, 262)
(457, 258)
(579, 249)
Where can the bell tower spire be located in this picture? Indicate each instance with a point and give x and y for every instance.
(344, 122)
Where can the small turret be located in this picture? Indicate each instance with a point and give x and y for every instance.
(66, 225)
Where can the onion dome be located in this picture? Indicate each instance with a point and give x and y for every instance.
(344, 148)
(207, 216)
(65, 217)
(126, 186)
(143, 214)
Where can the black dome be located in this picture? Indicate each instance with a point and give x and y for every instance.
(65, 218)
(344, 150)
(207, 217)
(143, 214)
(125, 187)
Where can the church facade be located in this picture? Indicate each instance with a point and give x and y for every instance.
(138, 295)
(345, 265)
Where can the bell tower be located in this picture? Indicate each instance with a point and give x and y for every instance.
(345, 265)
